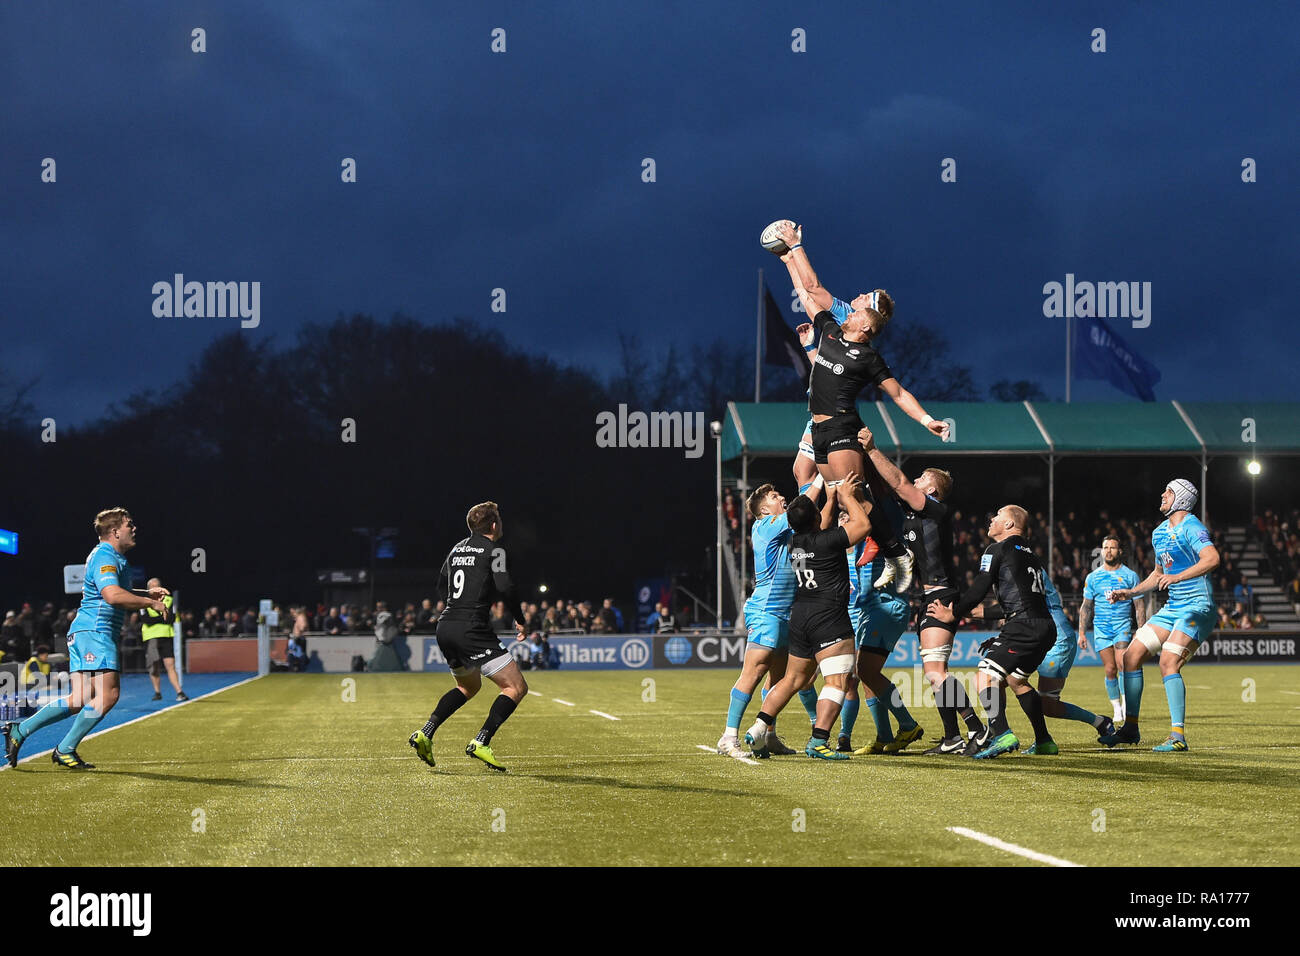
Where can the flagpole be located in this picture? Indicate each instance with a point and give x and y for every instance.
(1068, 344)
(758, 343)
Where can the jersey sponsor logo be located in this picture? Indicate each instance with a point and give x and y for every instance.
(838, 369)
(986, 562)
(108, 569)
(90, 656)
(1166, 559)
(854, 353)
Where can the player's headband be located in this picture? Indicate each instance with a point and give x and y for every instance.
(1184, 495)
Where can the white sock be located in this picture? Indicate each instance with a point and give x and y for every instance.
(732, 732)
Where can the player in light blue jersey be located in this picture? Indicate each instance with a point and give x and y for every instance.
(1185, 557)
(767, 618)
(92, 643)
(879, 617)
(1052, 674)
(1112, 624)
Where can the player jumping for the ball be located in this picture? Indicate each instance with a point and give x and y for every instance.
(92, 643)
(845, 363)
(1185, 558)
(473, 578)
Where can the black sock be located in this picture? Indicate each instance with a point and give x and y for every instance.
(451, 702)
(993, 700)
(822, 735)
(946, 696)
(973, 722)
(766, 718)
(502, 708)
(1032, 705)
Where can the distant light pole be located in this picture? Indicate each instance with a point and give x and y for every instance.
(1253, 469)
(716, 428)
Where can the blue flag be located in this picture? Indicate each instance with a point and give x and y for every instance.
(1101, 354)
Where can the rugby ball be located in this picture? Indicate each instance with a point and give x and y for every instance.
(772, 241)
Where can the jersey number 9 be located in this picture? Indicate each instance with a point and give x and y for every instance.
(458, 583)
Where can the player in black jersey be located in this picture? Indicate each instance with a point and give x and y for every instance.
(845, 363)
(821, 635)
(1027, 634)
(927, 531)
(473, 578)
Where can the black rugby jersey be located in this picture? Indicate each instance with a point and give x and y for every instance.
(473, 578)
(843, 369)
(928, 533)
(1017, 574)
(821, 567)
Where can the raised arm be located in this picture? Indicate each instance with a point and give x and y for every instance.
(801, 270)
(859, 524)
(907, 492)
(907, 402)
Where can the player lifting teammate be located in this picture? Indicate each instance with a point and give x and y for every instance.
(820, 633)
(1112, 624)
(473, 578)
(1014, 571)
(1185, 558)
(927, 529)
(767, 618)
(92, 643)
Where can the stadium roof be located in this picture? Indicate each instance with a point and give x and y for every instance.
(1200, 429)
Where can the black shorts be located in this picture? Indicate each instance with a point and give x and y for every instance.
(837, 433)
(471, 645)
(815, 627)
(155, 649)
(944, 595)
(1020, 647)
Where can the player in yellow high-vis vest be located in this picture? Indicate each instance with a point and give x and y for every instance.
(157, 633)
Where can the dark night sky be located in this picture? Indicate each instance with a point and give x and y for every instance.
(522, 171)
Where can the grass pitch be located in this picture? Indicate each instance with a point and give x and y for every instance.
(285, 771)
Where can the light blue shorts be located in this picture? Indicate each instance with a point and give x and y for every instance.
(1120, 635)
(92, 651)
(767, 630)
(1060, 658)
(884, 620)
(1194, 620)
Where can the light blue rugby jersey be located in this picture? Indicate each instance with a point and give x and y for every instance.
(1054, 606)
(859, 584)
(1177, 548)
(774, 583)
(104, 567)
(1106, 617)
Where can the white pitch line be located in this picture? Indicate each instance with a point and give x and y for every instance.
(1293, 693)
(1010, 847)
(137, 720)
(601, 713)
(566, 703)
(714, 750)
(534, 693)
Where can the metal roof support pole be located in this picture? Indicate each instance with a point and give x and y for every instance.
(1205, 488)
(1051, 510)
